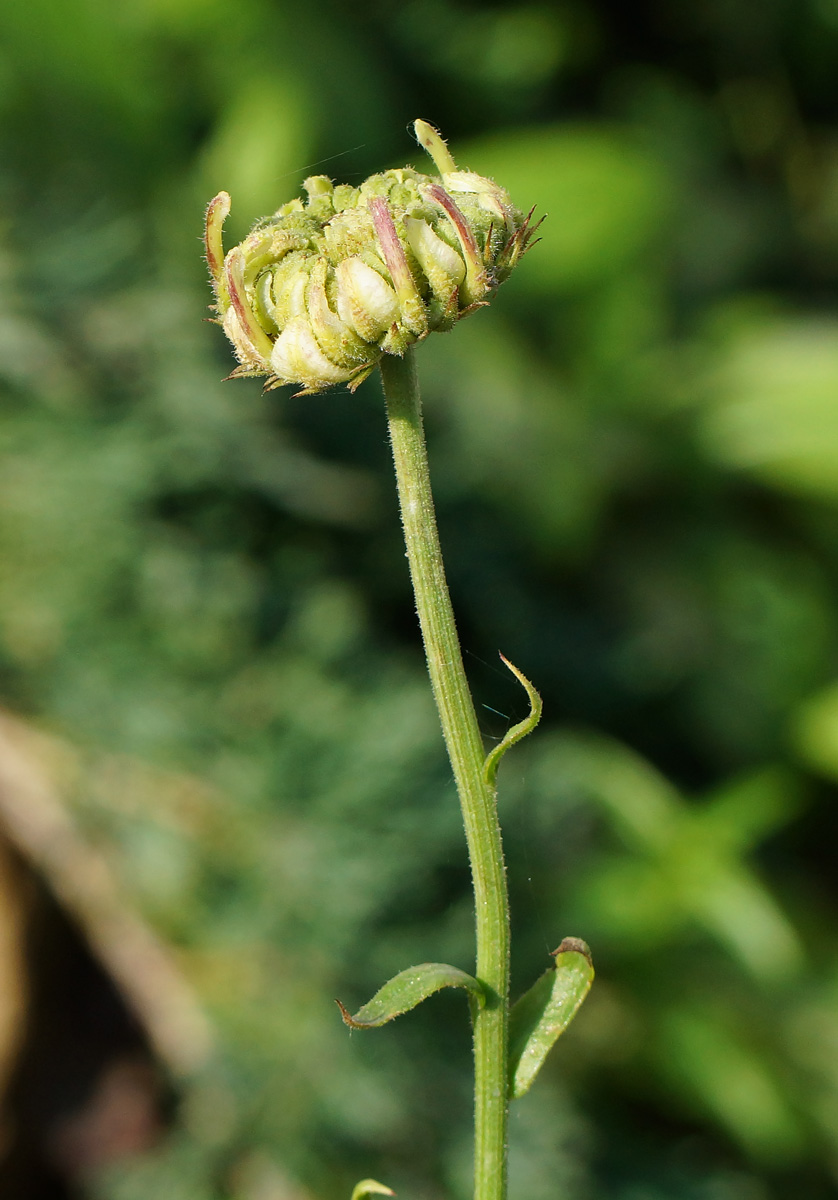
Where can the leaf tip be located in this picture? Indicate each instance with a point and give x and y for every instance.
(517, 732)
(575, 944)
(371, 1187)
(347, 1017)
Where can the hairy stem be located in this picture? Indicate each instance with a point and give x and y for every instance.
(465, 750)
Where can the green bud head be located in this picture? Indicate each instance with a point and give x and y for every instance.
(316, 293)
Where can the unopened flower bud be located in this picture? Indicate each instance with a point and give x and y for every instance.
(317, 293)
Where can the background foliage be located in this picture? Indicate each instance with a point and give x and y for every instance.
(636, 458)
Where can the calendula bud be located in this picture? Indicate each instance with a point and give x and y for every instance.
(316, 293)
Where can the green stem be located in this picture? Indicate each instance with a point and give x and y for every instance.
(465, 750)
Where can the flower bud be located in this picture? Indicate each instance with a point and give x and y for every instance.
(318, 292)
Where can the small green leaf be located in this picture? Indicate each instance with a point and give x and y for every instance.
(407, 989)
(518, 731)
(545, 1011)
(370, 1187)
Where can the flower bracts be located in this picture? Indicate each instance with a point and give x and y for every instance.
(319, 291)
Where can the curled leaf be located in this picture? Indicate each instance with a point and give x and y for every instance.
(370, 1187)
(517, 732)
(407, 989)
(545, 1011)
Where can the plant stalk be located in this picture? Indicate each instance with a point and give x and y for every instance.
(465, 750)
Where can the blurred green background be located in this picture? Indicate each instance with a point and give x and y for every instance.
(635, 452)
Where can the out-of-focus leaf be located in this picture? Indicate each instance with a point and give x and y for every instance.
(776, 409)
(751, 806)
(260, 149)
(682, 860)
(731, 1078)
(604, 197)
(370, 1187)
(642, 803)
(544, 1012)
(407, 989)
(815, 731)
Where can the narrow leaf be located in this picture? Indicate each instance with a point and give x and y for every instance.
(370, 1187)
(407, 989)
(517, 732)
(545, 1011)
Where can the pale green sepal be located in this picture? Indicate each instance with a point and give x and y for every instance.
(443, 266)
(217, 212)
(370, 1187)
(432, 141)
(365, 301)
(407, 989)
(545, 1011)
(517, 732)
